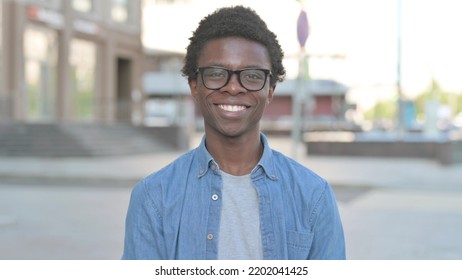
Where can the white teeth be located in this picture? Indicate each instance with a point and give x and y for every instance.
(232, 108)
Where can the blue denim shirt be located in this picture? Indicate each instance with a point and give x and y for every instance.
(175, 212)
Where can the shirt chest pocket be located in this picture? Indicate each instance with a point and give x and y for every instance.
(299, 244)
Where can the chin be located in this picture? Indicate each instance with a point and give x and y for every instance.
(234, 132)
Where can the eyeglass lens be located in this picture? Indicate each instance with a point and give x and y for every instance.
(216, 78)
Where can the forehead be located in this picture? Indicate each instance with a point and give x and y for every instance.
(234, 53)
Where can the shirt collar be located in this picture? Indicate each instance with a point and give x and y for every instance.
(204, 157)
(265, 165)
(267, 160)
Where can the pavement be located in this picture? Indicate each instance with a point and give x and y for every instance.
(340, 171)
(74, 208)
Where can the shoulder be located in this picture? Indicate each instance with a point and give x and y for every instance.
(300, 178)
(291, 166)
(304, 185)
(160, 180)
(179, 165)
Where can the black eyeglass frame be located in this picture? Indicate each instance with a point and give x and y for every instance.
(201, 70)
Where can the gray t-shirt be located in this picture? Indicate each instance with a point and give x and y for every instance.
(239, 235)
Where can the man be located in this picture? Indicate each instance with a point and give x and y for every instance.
(233, 197)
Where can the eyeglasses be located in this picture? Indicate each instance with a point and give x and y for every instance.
(252, 79)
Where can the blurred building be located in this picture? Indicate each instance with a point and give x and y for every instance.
(168, 102)
(167, 95)
(66, 64)
(70, 61)
(324, 106)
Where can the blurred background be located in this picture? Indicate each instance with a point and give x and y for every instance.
(92, 100)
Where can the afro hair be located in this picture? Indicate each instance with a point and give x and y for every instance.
(237, 21)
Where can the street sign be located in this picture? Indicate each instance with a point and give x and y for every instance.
(302, 28)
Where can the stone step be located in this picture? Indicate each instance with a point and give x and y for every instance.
(79, 140)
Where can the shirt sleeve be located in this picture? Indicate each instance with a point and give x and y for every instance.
(143, 231)
(328, 241)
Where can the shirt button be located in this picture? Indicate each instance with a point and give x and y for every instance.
(214, 167)
(215, 197)
(209, 236)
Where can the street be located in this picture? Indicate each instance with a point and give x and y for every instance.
(402, 224)
(68, 220)
(62, 221)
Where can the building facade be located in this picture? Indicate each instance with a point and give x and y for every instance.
(168, 102)
(70, 61)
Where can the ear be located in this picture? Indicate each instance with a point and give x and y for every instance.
(193, 88)
(270, 93)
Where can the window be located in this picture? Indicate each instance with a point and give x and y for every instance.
(1, 49)
(83, 6)
(3, 98)
(82, 61)
(120, 11)
(1, 26)
(40, 53)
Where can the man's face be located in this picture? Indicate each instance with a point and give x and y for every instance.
(232, 110)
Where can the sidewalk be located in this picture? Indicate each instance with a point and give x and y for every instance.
(390, 208)
(339, 171)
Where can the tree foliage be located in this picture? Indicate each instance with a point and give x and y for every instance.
(388, 109)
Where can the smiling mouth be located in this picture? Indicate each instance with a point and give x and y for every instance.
(232, 108)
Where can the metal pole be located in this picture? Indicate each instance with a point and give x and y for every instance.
(398, 70)
(297, 95)
(297, 105)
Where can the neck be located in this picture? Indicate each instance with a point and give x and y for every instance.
(235, 155)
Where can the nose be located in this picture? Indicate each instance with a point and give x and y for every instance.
(234, 86)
